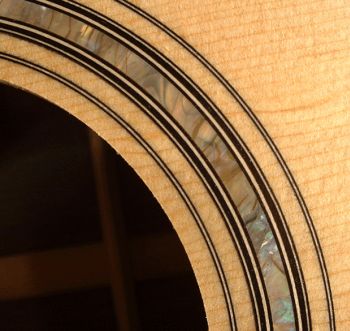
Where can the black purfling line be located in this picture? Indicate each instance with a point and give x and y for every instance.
(146, 146)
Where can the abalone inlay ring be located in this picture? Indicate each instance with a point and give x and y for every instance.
(177, 110)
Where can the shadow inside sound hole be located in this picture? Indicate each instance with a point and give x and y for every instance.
(83, 243)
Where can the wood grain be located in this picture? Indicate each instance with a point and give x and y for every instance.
(290, 63)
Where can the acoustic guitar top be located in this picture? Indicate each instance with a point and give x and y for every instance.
(236, 116)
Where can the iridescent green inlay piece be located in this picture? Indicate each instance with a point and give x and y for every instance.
(194, 124)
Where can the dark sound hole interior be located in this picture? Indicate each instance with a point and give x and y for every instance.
(83, 243)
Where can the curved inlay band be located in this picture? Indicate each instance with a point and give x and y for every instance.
(191, 120)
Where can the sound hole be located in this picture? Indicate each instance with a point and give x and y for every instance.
(83, 243)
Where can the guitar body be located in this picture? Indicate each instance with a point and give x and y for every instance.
(235, 115)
